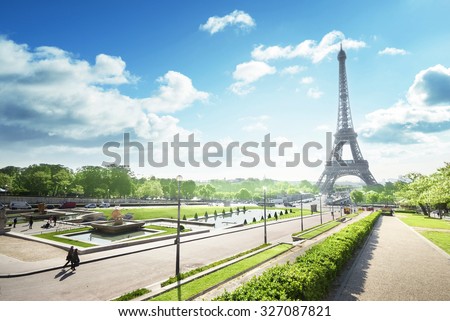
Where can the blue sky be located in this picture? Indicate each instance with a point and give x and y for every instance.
(75, 75)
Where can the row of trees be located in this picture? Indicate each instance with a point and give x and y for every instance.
(429, 192)
(426, 191)
(113, 181)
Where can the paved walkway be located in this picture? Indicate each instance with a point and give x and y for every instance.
(396, 264)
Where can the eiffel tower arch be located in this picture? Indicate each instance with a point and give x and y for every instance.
(335, 166)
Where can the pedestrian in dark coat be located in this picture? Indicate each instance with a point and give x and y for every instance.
(15, 222)
(69, 257)
(30, 222)
(75, 260)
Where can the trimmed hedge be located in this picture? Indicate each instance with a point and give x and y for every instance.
(312, 274)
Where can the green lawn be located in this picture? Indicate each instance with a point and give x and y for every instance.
(441, 239)
(316, 231)
(418, 220)
(196, 286)
(54, 236)
(146, 213)
(192, 272)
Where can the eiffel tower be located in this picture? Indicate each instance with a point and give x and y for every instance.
(335, 166)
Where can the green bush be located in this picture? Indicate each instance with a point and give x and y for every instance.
(309, 278)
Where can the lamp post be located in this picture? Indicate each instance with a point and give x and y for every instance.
(301, 210)
(265, 221)
(320, 197)
(177, 267)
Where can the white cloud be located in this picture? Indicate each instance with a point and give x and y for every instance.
(255, 123)
(49, 93)
(247, 73)
(392, 51)
(177, 93)
(238, 18)
(314, 93)
(293, 70)
(431, 87)
(309, 49)
(425, 113)
(307, 80)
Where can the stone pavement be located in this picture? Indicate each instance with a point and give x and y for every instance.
(396, 264)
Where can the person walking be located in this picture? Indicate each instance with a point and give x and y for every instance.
(30, 222)
(14, 221)
(69, 257)
(75, 260)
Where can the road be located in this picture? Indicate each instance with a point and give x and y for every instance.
(109, 278)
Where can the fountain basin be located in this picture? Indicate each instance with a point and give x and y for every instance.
(114, 228)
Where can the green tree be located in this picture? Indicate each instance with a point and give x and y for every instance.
(151, 188)
(357, 196)
(188, 189)
(243, 194)
(372, 197)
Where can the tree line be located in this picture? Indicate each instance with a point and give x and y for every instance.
(415, 190)
(55, 180)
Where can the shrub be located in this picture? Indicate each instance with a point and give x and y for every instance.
(286, 211)
(245, 222)
(184, 217)
(254, 220)
(196, 216)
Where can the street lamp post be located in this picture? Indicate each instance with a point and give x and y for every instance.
(320, 197)
(301, 210)
(265, 221)
(177, 267)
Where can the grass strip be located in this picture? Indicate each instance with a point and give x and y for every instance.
(317, 231)
(209, 266)
(132, 295)
(190, 289)
(54, 236)
(441, 239)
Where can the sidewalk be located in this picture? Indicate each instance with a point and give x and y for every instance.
(396, 264)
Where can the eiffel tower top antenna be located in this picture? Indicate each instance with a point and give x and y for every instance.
(344, 113)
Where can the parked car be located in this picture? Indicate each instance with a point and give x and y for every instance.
(104, 205)
(68, 205)
(90, 205)
(19, 205)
